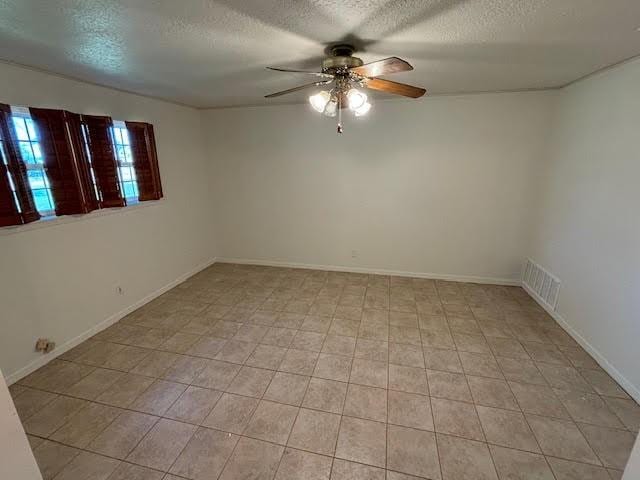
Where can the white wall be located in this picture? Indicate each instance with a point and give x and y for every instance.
(632, 470)
(589, 225)
(16, 458)
(440, 185)
(59, 281)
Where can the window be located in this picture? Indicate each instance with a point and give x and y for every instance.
(32, 157)
(126, 173)
(64, 163)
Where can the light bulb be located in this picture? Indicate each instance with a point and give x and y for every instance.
(356, 99)
(319, 101)
(363, 110)
(332, 108)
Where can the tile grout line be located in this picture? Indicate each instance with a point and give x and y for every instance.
(164, 377)
(386, 443)
(299, 407)
(519, 406)
(127, 408)
(330, 456)
(313, 409)
(348, 382)
(526, 420)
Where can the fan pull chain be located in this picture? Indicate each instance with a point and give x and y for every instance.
(339, 113)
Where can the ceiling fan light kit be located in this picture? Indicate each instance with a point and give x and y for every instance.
(347, 74)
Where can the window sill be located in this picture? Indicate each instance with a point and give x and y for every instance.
(55, 221)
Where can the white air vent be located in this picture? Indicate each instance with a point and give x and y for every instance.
(542, 283)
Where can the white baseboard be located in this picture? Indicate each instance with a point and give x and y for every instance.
(335, 268)
(629, 387)
(107, 322)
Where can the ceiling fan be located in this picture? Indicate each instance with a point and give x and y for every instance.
(345, 72)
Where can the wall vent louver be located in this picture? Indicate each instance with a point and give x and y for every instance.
(542, 283)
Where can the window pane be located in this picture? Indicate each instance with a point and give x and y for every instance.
(37, 153)
(26, 153)
(126, 174)
(42, 199)
(21, 128)
(130, 190)
(117, 136)
(125, 136)
(31, 129)
(36, 179)
(121, 153)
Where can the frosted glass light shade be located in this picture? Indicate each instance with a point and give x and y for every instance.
(332, 108)
(356, 99)
(319, 101)
(363, 110)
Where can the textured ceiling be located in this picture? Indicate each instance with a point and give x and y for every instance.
(213, 53)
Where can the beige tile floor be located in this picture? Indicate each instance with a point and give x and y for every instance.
(247, 372)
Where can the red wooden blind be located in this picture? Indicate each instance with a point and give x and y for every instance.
(82, 165)
(80, 162)
(145, 160)
(103, 160)
(67, 184)
(9, 213)
(17, 171)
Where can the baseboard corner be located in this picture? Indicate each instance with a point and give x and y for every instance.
(629, 387)
(107, 322)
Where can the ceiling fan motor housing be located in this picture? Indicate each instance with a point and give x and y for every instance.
(341, 60)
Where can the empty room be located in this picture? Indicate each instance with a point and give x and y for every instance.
(319, 240)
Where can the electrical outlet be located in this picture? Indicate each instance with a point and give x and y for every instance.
(354, 254)
(45, 345)
(41, 344)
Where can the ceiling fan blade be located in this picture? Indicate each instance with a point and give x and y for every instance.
(394, 87)
(317, 74)
(295, 89)
(383, 67)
